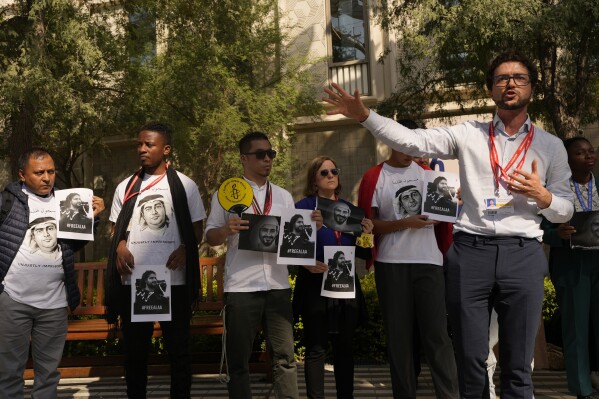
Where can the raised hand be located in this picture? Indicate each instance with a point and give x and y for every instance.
(346, 104)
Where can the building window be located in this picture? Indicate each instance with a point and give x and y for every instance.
(348, 45)
(142, 36)
(348, 31)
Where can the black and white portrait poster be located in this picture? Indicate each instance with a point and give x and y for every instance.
(42, 239)
(297, 238)
(440, 200)
(150, 293)
(76, 220)
(262, 235)
(338, 281)
(340, 216)
(587, 230)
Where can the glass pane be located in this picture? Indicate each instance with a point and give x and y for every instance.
(142, 36)
(348, 33)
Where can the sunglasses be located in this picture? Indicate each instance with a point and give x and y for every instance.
(261, 154)
(325, 172)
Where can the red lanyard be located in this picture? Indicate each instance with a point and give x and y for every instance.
(267, 202)
(337, 236)
(129, 194)
(502, 172)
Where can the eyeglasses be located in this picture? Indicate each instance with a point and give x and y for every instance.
(261, 154)
(520, 79)
(325, 172)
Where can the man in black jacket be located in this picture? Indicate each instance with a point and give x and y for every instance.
(35, 289)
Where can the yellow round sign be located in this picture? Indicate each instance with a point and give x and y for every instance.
(235, 195)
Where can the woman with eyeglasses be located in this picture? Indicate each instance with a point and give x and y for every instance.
(324, 318)
(575, 272)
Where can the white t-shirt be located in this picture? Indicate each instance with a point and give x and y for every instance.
(398, 195)
(249, 271)
(153, 230)
(36, 275)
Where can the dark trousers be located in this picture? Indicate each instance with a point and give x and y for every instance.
(245, 312)
(137, 338)
(577, 289)
(316, 337)
(408, 293)
(505, 273)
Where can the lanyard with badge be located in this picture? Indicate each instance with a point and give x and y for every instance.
(503, 202)
(589, 205)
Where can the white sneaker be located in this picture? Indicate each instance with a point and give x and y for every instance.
(595, 379)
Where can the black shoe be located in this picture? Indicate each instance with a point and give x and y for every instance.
(594, 395)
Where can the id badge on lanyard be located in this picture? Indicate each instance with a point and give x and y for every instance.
(502, 202)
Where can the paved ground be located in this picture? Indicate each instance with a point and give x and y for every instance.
(370, 382)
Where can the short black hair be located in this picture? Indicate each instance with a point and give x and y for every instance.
(246, 141)
(34, 152)
(512, 56)
(163, 129)
(568, 142)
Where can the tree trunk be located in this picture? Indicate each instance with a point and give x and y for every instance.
(21, 135)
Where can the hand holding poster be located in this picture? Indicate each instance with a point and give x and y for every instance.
(297, 238)
(76, 215)
(338, 281)
(440, 201)
(150, 293)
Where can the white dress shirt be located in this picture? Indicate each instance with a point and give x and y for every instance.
(248, 271)
(469, 143)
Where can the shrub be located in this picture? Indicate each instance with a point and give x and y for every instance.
(550, 300)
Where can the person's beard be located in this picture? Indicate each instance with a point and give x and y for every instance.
(521, 103)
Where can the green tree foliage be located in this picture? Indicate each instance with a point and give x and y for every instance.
(219, 72)
(446, 45)
(74, 72)
(58, 81)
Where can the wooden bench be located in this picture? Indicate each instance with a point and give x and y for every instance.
(90, 279)
(87, 323)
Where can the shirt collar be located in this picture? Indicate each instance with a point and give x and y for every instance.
(254, 185)
(500, 127)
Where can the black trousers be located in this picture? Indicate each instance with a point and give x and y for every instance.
(505, 273)
(137, 338)
(316, 338)
(414, 293)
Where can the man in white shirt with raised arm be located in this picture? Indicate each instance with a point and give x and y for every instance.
(497, 260)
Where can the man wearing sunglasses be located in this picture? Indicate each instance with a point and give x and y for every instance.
(257, 291)
(496, 260)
